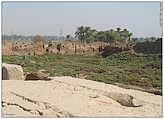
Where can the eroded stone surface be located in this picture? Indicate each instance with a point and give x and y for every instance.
(75, 97)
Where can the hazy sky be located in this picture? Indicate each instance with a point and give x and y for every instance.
(51, 18)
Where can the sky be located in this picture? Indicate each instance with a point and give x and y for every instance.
(63, 18)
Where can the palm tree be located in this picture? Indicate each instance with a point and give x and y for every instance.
(100, 36)
(87, 28)
(80, 33)
(124, 34)
(91, 35)
(118, 29)
(68, 37)
(111, 30)
(129, 35)
(87, 32)
(84, 34)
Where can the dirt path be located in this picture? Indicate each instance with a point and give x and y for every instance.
(72, 97)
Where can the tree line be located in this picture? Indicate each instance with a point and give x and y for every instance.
(86, 34)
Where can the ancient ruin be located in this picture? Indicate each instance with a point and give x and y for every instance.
(60, 47)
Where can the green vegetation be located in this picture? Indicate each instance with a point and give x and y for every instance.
(86, 34)
(135, 69)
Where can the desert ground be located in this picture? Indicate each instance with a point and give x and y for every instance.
(73, 97)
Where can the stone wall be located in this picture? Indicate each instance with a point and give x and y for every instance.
(7, 47)
(62, 47)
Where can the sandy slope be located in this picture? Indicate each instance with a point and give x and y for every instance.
(72, 97)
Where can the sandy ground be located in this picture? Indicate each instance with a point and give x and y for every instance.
(72, 97)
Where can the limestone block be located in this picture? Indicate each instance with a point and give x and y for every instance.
(12, 72)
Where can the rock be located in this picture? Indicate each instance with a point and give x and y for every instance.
(37, 76)
(12, 72)
(124, 99)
